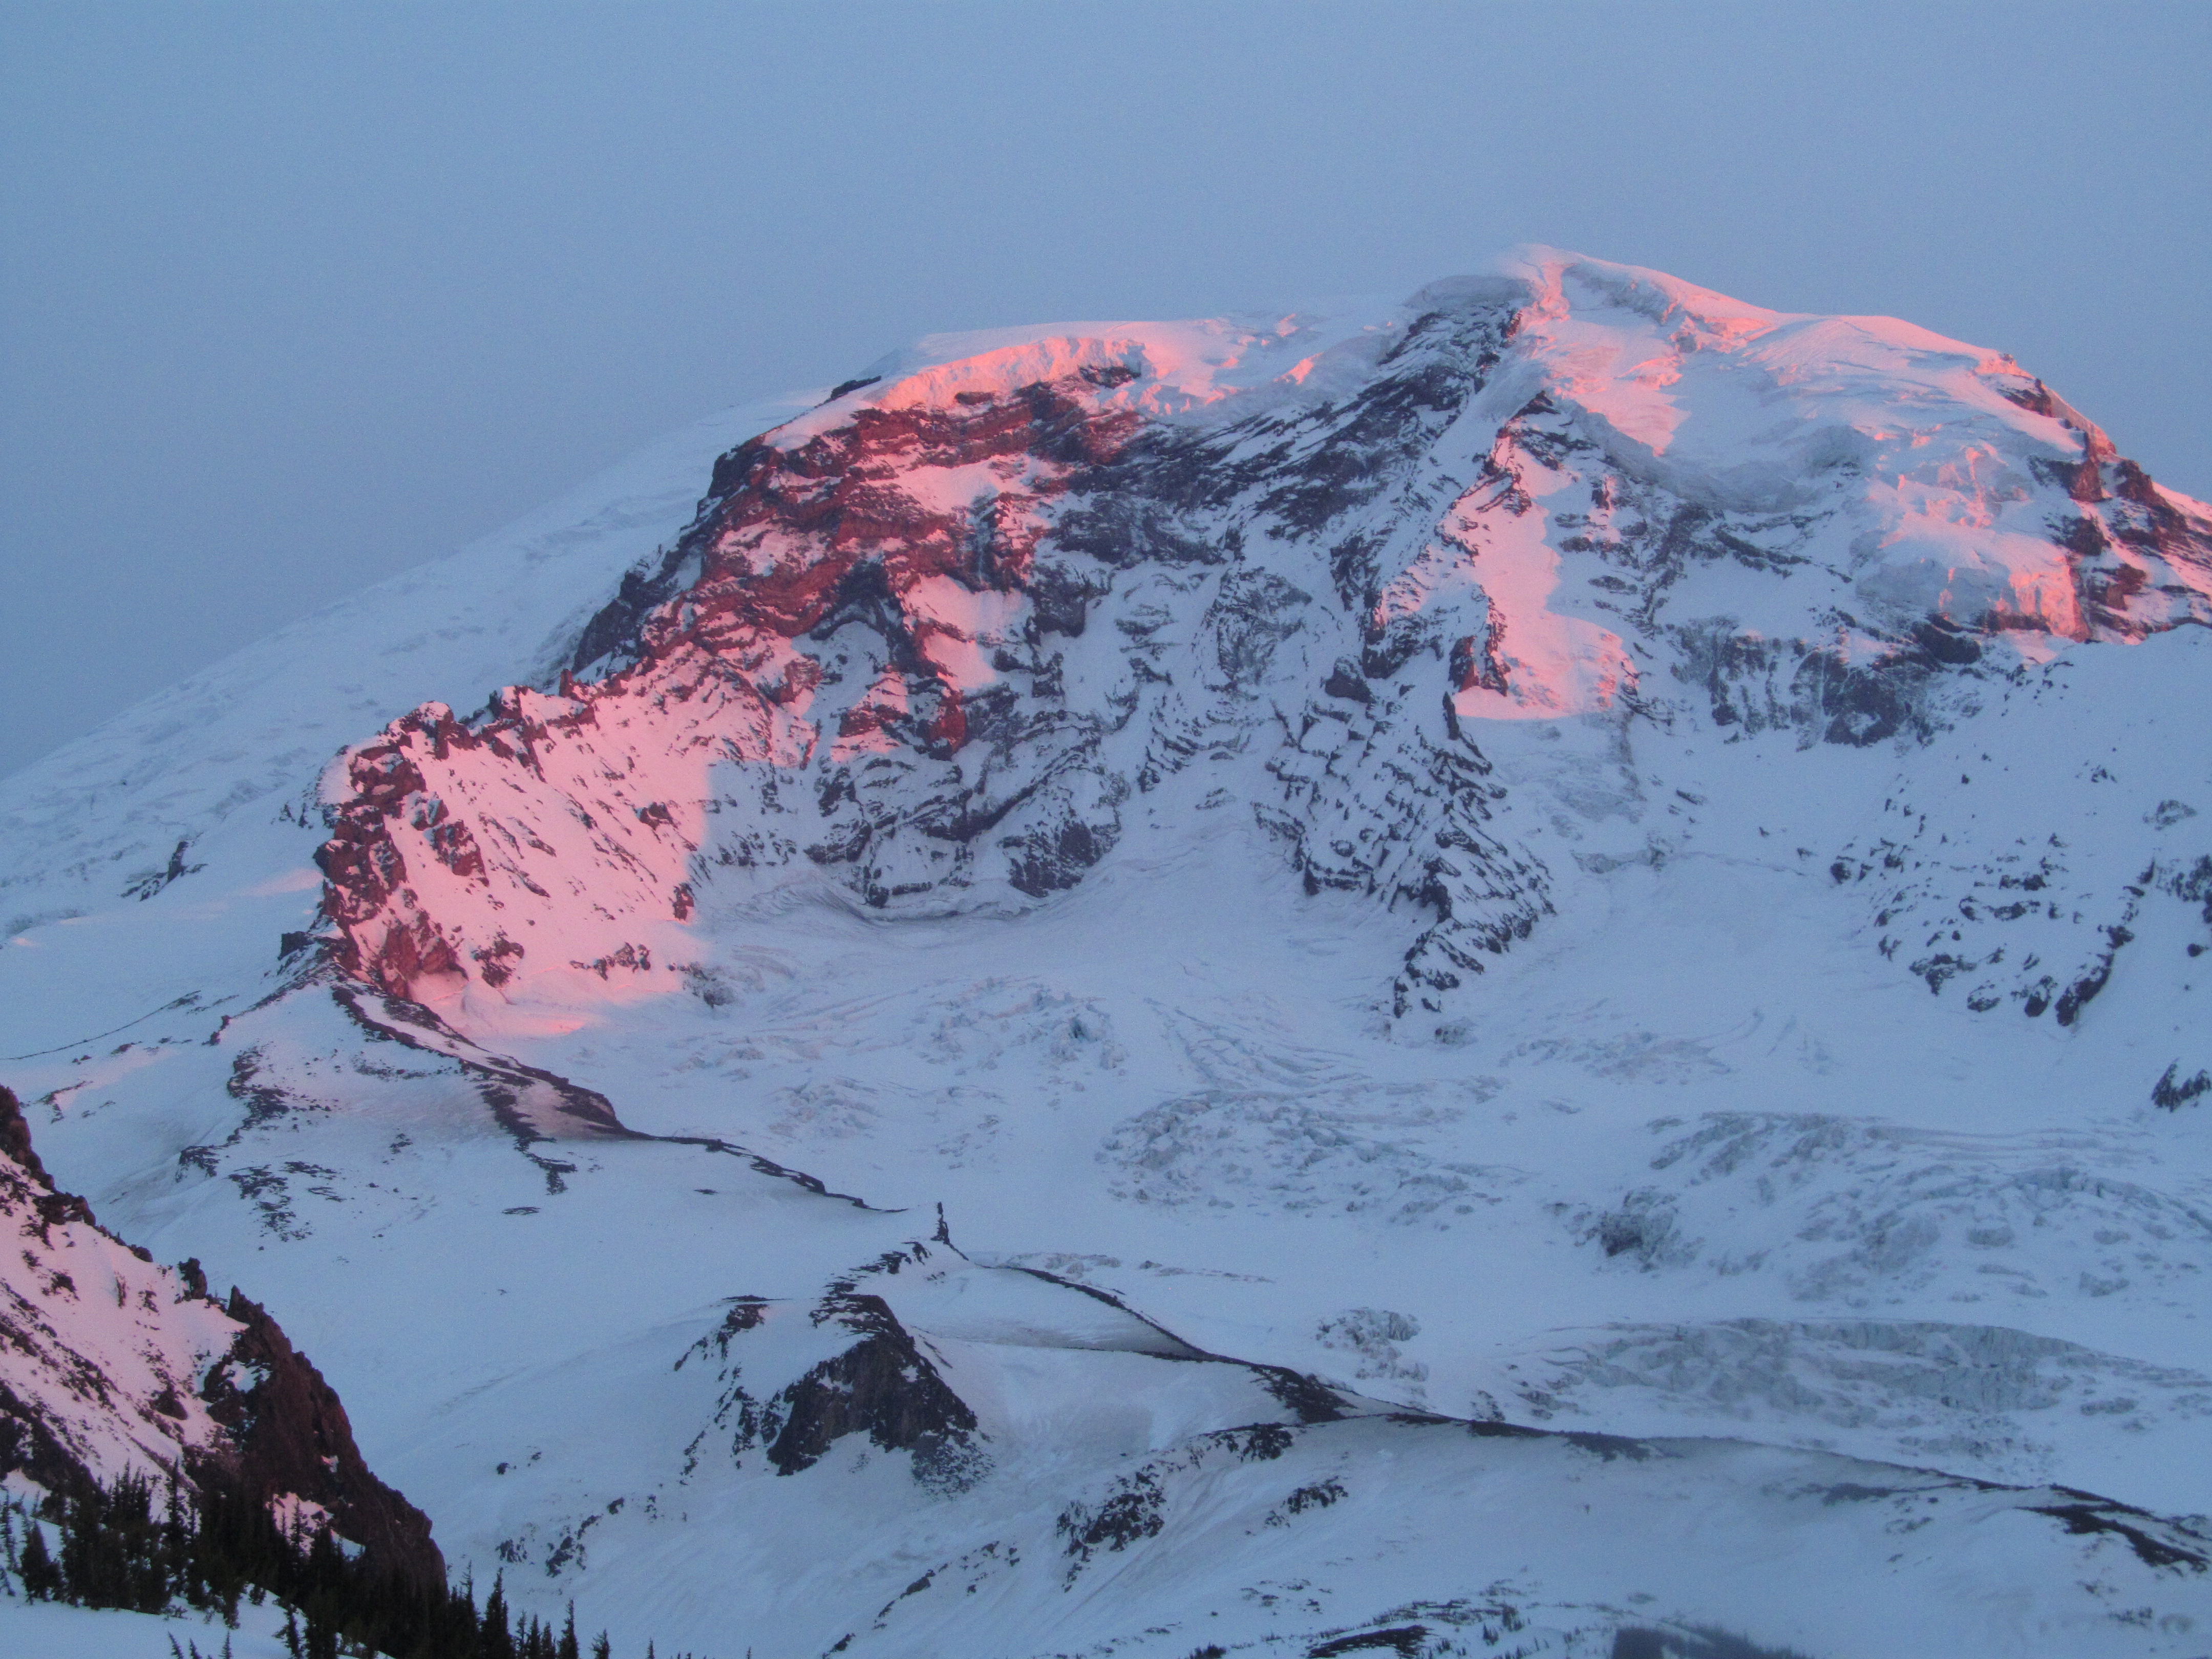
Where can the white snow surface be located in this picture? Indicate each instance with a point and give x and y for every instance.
(44, 1630)
(1745, 1128)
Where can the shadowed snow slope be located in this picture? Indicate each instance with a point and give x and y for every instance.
(1037, 1023)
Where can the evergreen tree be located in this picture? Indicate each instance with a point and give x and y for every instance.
(128, 1545)
(42, 1579)
(494, 1638)
(322, 1639)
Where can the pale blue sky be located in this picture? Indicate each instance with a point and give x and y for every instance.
(292, 296)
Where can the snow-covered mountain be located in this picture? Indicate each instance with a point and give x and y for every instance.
(1509, 973)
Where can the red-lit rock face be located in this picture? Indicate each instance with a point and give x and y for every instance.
(935, 641)
(916, 527)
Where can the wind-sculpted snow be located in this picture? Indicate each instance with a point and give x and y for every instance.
(1573, 854)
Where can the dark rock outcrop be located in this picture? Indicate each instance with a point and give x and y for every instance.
(881, 1387)
(289, 1434)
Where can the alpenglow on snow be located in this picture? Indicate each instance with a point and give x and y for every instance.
(1508, 973)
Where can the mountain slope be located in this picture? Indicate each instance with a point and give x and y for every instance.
(1574, 853)
(112, 1368)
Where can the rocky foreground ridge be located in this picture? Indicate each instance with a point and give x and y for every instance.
(112, 1367)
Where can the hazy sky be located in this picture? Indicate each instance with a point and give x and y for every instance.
(292, 297)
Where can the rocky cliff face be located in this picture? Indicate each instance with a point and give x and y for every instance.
(941, 638)
(111, 1365)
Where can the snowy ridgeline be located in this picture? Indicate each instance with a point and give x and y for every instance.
(1513, 974)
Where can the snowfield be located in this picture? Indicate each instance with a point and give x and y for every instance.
(1513, 974)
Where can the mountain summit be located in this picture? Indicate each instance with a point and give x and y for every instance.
(948, 638)
(1507, 969)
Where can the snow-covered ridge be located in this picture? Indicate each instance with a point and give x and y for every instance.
(106, 1352)
(216, 756)
(112, 1367)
